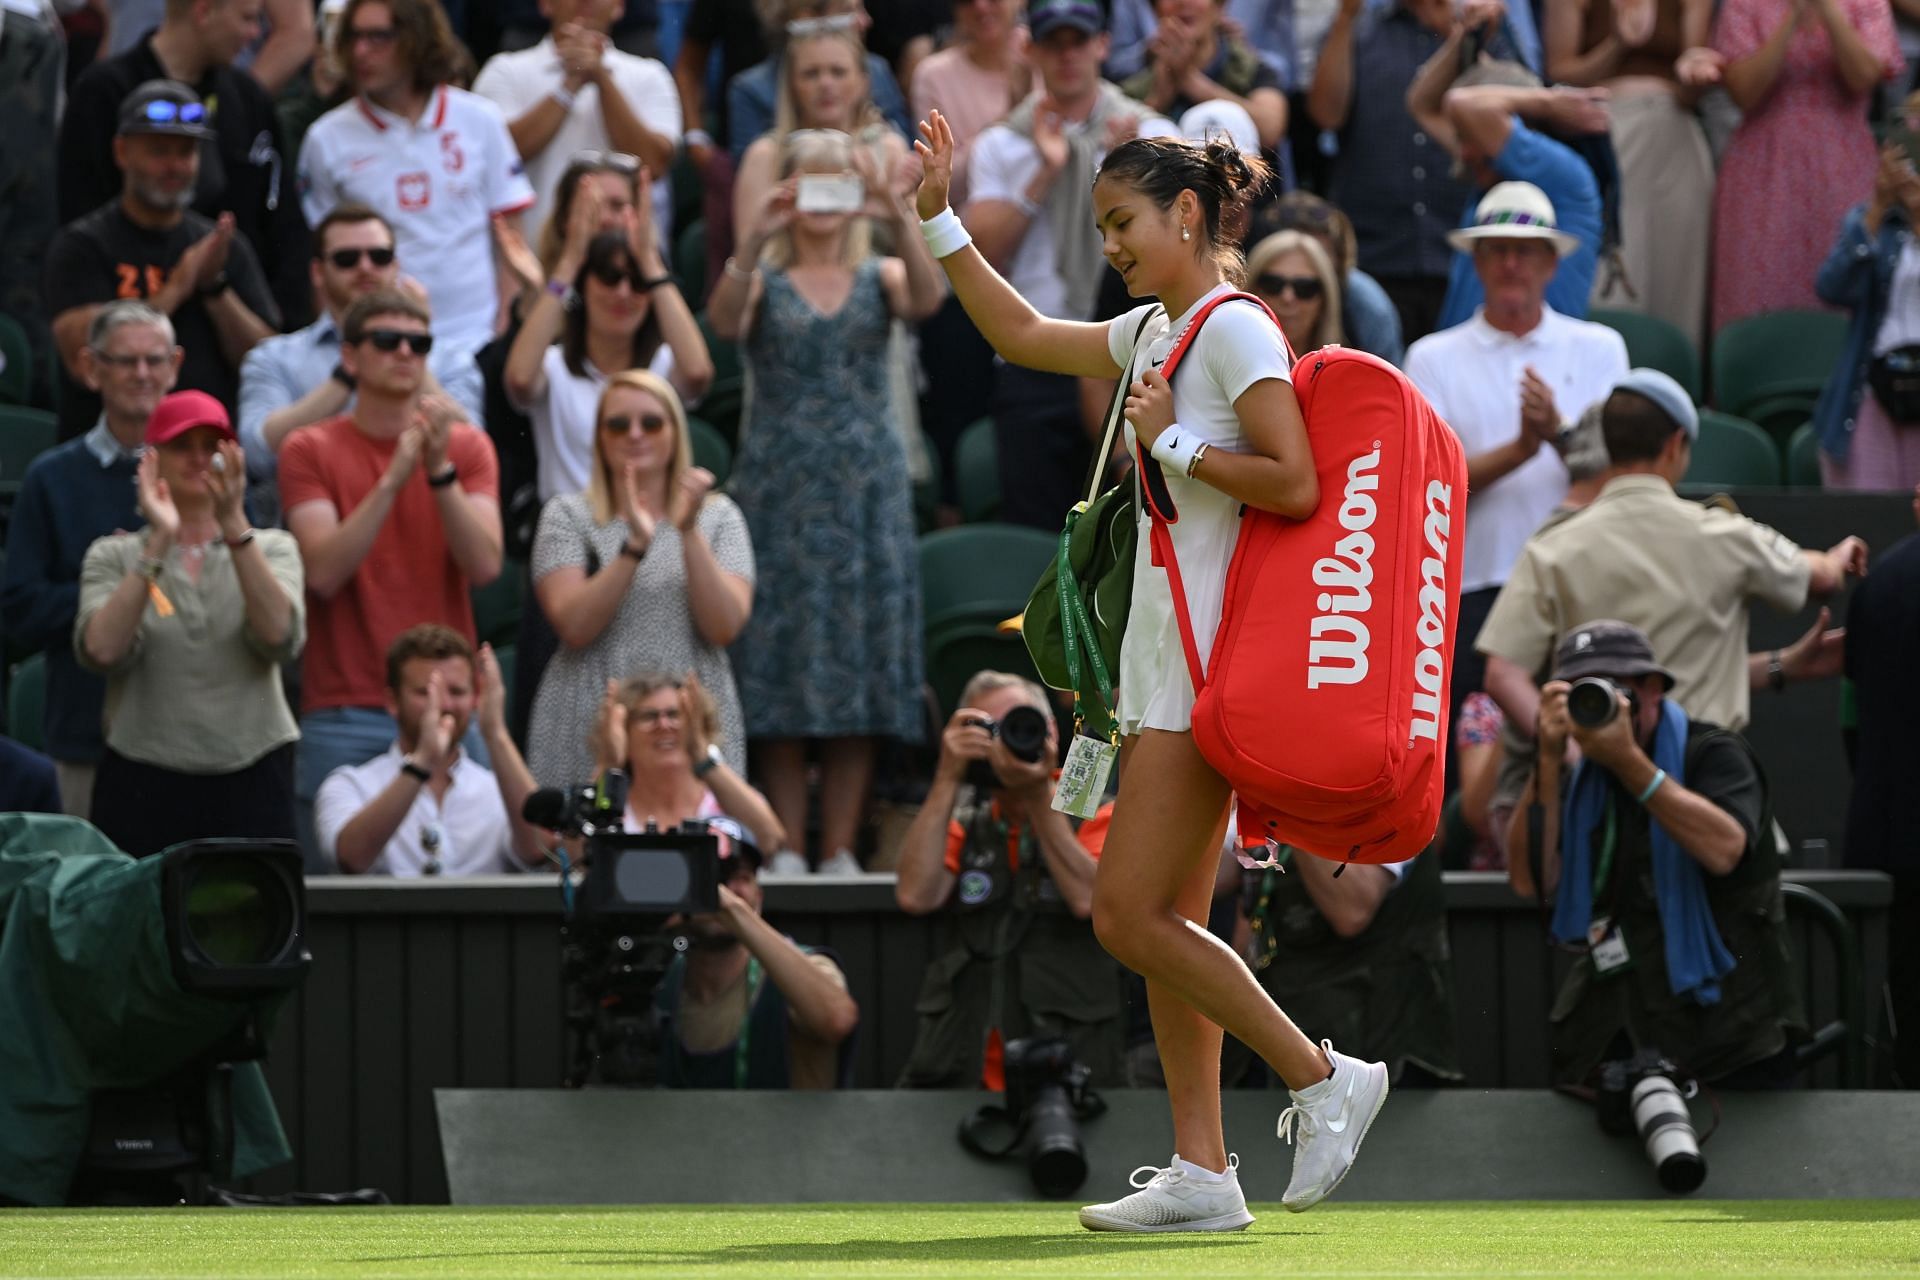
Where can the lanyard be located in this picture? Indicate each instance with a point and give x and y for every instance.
(1073, 613)
(1603, 865)
(740, 1045)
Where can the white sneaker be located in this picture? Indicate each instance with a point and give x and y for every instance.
(1170, 1200)
(1326, 1124)
(786, 862)
(842, 863)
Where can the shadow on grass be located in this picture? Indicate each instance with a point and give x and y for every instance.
(969, 1249)
(1737, 1213)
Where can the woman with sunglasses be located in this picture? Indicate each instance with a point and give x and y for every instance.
(643, 570)
(189, 620)
(834, 653)
(1293, 275)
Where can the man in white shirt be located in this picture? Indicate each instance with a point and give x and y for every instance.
(1506, 381)
(1031, 214)
(423, 808)
(437, 162)
(296, 379)
(575, 92)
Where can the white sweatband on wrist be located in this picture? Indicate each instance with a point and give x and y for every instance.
(1177, 449)
(697, 138)
(944, 233)
(562, 95)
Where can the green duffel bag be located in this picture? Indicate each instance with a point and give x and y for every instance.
(1075, 620)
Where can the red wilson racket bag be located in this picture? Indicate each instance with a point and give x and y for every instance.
(1326, 704)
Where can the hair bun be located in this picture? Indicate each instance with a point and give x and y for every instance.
(1226, 159)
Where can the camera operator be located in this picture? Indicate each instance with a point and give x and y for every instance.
(1653, 849)
(747, 1007)
(1017, 956)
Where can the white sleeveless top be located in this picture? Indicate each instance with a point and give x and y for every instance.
(1237, 347)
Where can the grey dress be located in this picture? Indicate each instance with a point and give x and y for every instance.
(833, 648)
(652, 631)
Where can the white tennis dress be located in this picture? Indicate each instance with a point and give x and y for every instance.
(1237, 347)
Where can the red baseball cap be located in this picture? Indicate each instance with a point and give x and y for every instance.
(183, 411)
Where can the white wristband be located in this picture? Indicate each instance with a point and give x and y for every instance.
(944, 233)
(562, 95)
(1177, 449)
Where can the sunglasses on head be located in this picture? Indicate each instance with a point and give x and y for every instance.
(163, 111)
(390, 340)
(1305, 288)
(604, 162)
(348, 259)
(622, 423)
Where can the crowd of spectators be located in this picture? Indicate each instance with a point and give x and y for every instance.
(351, 311)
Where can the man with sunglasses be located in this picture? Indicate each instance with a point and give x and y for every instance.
(573, 92)
(245, 169)
(396, 510)
(149, 244)
(297, 379)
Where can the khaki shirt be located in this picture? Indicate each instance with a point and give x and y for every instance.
(1679, 571)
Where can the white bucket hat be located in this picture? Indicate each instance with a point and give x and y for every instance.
(1514, 211)
(1208, 120)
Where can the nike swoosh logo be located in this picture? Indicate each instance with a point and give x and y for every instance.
(1344, 1116)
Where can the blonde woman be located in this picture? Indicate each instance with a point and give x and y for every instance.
(1293, 274)
(834, 651)
(645, 571)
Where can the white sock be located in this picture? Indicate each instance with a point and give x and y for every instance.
(1194, 1171)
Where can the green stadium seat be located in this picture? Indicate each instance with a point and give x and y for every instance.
(973, 578)
(16, 363)
(1781, 354)
(24, 435)
(27, 702)
(497, 606)
(1732, 453)
(710, 449)
(690, 263)
(722, 404)
(976, 466)
(1803, 458)
(1654, 343)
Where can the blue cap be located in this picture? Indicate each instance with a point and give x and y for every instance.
(1670, 396)
(1051, 15)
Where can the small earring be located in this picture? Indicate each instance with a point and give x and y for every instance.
(1186, 233)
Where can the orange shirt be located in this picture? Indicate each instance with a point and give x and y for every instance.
(408, 576)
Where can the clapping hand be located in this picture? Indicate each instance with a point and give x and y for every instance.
(607, 740)
(490, 692)
(1819, 653)
(437, 415)
(1539, 416)
(520, 260)
(695, 484)
(406, 454)
(630, 505)
(155, 502)
(438, 735)
(227, 485)
(1049, 139)
(693, 726)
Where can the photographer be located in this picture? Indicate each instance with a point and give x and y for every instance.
(1018, 957)
(1653, 848)
(746, 1007)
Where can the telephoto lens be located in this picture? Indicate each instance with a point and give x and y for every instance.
(1666, 1130)
(1056, 1160)
(1592, 701)
(1024, 731)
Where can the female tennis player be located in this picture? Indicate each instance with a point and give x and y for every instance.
(1230, 432)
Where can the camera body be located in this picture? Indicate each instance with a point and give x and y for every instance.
(1047, 1096)
(1593, 701)
(1022, 730)
(1638, 1095)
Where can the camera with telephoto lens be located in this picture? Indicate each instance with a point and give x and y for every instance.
(1047, 1096)
(1023, 730)
(1638, 1095)
(1594, 700)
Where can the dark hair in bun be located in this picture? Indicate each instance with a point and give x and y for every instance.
(1215, 171)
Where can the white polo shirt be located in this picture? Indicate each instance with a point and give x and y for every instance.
(1471, 374)
(468, 828)
(438, 180)
(517, 81)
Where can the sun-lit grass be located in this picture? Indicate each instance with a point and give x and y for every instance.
(1669, 1238)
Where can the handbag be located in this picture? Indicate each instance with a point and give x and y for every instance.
(1895, 379)
(1077, 613)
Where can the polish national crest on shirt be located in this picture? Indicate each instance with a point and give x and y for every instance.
(414, 191)
(451, 156)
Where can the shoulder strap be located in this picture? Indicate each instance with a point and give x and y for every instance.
(1159, 498)
(1098, 467)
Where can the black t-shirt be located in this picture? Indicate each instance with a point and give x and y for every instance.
(245, 170)
(895, 22)
(106, 256)
(1883, 661)
(733, 27)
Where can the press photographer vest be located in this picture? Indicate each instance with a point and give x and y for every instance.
(1759, 1006)
(1385, 995)
(757, 1058)
(1011, 955)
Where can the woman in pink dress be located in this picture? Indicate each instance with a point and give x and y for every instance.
(1802, 71)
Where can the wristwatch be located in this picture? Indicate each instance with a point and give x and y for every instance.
(345, 379)
(216, 286)
(445, 478)
(414, 769)
(711, 761)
